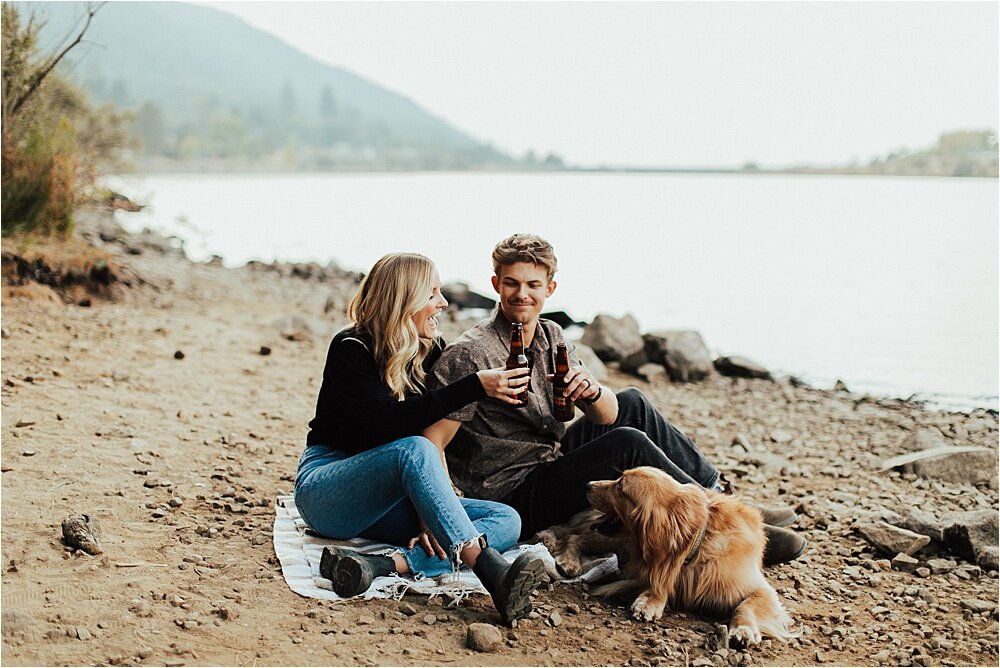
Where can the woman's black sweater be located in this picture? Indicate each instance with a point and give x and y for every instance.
(356, 410)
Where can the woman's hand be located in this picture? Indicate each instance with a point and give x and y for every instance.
(503, 384)
(427, 541)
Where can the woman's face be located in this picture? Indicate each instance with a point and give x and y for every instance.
(426, 318)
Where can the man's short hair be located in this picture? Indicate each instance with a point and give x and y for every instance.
(525, 248)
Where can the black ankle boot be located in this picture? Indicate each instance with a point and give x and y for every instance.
(782, 545)
(510, 584)
(352, 572)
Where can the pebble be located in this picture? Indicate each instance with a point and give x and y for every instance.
(260, 539)
(83, 634)
(179, 355)
(572, 609)
(555, 619)
(407, 610)
(483, 637)
(28, 453)
(429, 619)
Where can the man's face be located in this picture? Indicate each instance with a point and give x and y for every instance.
(523, 288)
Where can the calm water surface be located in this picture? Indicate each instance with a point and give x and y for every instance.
(888, 283)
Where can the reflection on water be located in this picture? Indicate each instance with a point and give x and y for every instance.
(887, 283)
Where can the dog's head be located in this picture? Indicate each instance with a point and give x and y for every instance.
(661, 516)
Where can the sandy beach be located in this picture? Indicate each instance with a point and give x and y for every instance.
(158, 415)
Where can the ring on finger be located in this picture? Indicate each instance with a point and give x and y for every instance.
(587, 381)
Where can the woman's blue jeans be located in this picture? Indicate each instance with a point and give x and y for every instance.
(377, 494)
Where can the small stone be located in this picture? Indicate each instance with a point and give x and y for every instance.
(140, 607)
(922, 572)
(407, 610)
(265, 350)
(483, 637)
(429, 619)
(83, 634)
(904, 562)
(145, 653)
(179, 355)
(366, 620)
(28, 453)
(555, 619)
(25, 422)
(572, 609)
(881, 657)
(782, 436)
(260, 539)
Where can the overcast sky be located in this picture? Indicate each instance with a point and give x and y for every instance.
(669, 83)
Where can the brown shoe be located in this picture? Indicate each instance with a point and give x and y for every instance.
(782, 546)
(781, 516)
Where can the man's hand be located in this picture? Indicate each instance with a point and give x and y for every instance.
(580, 384)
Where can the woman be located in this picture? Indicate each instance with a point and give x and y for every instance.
(366, 473)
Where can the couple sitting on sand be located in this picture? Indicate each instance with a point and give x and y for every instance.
(397, 409)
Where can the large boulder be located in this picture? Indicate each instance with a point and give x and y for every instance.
(592, 362)
(922, 439)
(973, 536)
(964, 464)
(613, 338)
(682, 352)
(461, 296)
(740, 367)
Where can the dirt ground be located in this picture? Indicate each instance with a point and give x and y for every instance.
(158, 416)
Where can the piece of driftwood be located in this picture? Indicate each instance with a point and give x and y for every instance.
(81, 532)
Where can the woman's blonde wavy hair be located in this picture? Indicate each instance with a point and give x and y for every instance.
(390, 295)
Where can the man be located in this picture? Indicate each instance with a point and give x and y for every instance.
(523, 456)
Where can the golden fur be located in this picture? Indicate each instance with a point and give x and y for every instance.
(661, 520)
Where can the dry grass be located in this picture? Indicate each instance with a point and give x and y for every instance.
(71, 269)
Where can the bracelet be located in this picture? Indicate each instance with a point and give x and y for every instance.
(591, 402)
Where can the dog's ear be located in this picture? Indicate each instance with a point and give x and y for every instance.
(667, 520)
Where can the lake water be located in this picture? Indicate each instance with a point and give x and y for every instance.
(890, 284)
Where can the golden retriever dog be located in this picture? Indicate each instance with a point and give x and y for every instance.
(692, 549)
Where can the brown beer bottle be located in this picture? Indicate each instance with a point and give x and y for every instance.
(517, 359)
(562, 408)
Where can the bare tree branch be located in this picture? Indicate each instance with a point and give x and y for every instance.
(52, 62)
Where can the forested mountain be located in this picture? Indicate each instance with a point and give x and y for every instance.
(207, 87)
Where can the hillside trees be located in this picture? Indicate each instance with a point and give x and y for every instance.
(54, 142)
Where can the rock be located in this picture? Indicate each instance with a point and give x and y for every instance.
(964, 465)
(179, 354)
(407, 610)
(904, 562)
(260, 539)
(939, 566)
(430, 619)
(840, 386)
(555, 619)
(265, 350)
(977, 605)
(592, 362)
(460, 296)
(83, 634)
(119, 375)
(562, 319)
(682, 352)
(919, 522)
(652, 373)
(483, 637)
(612, 338)
(740, 367)
(973, 535)
(632, 362)
(922, 439)
(140, 607)
(25, 422)
(17, 624)
(81, 532)
(891, 539)
(30, 452)
(781, 436)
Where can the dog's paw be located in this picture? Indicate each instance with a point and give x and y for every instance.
(744, 636)
(645, 609)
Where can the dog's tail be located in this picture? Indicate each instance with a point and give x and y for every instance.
(618, 588)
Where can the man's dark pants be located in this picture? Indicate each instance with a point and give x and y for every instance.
(555, 491)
